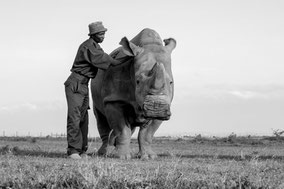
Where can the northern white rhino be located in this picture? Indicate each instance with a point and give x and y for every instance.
(136, 93)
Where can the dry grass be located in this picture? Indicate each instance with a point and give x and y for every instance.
(181, 164)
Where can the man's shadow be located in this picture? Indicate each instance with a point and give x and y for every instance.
(6, 150)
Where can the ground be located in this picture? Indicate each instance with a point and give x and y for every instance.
(188, 162)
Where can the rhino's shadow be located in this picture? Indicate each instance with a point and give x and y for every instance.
(228, 157)
(37, 153)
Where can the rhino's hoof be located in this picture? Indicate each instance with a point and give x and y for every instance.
(144, 157)
(102, 152)
(121, 156)
(125, 157)
(105, 151)
(153, 156)
(147, 156)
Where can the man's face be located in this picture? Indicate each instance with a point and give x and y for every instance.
(99, 37)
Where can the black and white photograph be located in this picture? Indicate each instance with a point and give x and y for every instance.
(145, 94)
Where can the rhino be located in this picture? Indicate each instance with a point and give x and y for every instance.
(135, 93)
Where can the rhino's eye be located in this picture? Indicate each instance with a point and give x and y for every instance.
(171, 82)
(137, 82)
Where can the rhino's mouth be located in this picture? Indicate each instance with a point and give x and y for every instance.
(156, 107)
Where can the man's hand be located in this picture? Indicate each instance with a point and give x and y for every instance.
(120, 60)
(115, 62)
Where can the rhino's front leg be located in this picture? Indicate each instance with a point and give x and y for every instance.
(145, 137)
(121, 133)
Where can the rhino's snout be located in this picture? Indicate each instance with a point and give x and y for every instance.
(157, 107)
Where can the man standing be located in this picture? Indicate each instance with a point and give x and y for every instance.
(90, 57)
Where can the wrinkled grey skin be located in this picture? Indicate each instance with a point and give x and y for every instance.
(136, 93)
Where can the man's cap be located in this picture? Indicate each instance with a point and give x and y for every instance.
(96, 27)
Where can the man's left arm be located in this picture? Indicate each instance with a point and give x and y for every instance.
(98, 58)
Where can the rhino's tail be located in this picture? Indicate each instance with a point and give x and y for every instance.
(111, 138)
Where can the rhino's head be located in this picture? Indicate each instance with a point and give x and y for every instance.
(154, 85)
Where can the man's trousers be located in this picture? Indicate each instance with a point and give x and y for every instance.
(77, 95)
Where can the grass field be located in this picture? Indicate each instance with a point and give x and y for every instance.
(231, 162)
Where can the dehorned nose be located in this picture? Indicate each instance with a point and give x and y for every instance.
(158, 84)
(158, 81)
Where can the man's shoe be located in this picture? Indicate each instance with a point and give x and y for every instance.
(75, 156)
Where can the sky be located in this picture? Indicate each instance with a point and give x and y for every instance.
(228, 65)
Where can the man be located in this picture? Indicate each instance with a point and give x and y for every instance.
(90, 57)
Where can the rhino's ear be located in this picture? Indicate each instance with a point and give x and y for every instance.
(129, 48)
(170, 44)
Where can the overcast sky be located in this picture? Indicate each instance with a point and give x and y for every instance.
(228, 65)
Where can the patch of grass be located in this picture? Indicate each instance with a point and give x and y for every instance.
(166, 173)
(180, 164)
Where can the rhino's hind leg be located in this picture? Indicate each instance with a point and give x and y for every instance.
(145, 138)
(104, 131)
